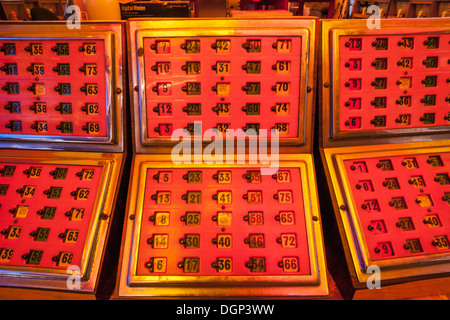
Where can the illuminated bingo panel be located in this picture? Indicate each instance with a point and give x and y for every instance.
(201, 81)
(215, 222)
(222, 231)
(393, 82)
(46, 213)
(53, 88)
(402, 204)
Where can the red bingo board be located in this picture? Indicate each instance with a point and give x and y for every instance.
(53, 88)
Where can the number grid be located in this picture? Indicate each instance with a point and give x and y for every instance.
(419, 196)
(214, 86)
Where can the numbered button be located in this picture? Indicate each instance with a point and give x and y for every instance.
(252, 67)
(35, 49)
(91, 128)
(163, 177)
(222, 67)
(62, 69)
(75, 214)
(89, 69)
(33, 172)
(69, 236)
(157, 265)
(21, 211)
(13, 232)
(190, 265)
(164, 129)
(252, 46)
(163, 89)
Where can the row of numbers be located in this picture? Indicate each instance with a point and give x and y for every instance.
(35, 172)
(63, 89)
(34, 257)
(236, 221)
(404, 224)
(222, 241)
(221, 46)
(400, 120)
(413, 246)
(363, 87)
(401, 83)
(46, 211)
(222, 264)
(28, 191)
(432, 161)
(166, 129)
(222, 109)
(430, 62)
(223, 218)
(41, 234)
(402, 101)
(37, 49)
